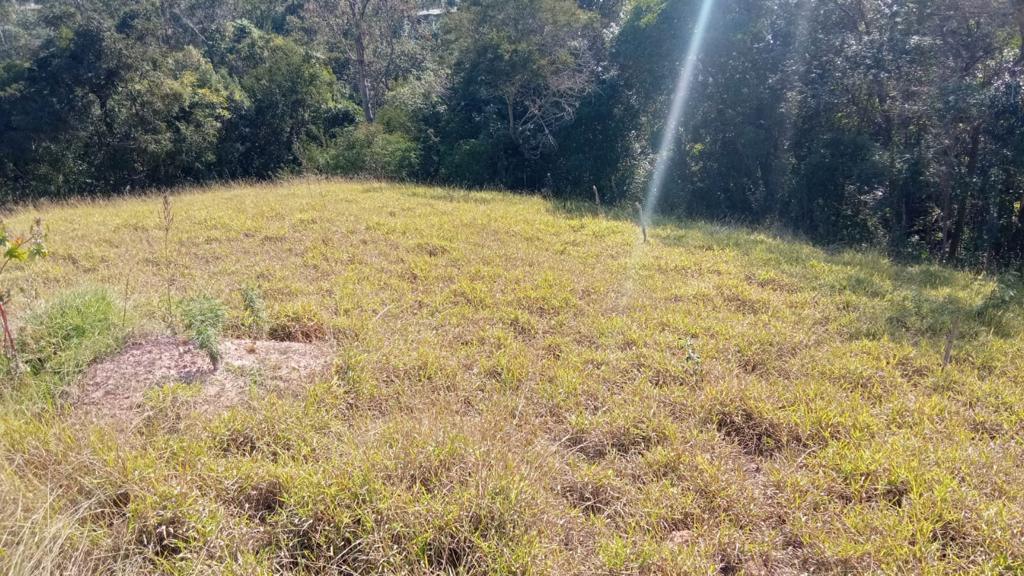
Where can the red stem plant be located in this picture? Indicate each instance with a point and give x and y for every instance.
(17, 249)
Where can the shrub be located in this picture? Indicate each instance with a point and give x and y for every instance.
(203, 318)
(471, 163)
(364, 150)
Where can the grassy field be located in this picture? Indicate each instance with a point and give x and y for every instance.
(518, 387)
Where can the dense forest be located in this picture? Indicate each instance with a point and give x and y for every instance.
(896, 124)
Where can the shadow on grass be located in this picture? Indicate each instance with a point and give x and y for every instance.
(918, 299)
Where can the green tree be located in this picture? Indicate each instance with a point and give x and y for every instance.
(376, 41)
(520, 69)
(96, 110)
(288, 92)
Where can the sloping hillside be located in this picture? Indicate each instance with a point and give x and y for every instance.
(515, 387)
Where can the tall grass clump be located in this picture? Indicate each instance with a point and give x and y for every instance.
(1002, 311)
(203, 318)
(60, 341)
(50, 541)
(255, 321)
(166, 253)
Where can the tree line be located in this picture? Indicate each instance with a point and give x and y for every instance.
(889, 123)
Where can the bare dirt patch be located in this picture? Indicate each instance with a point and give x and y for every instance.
(117, 386)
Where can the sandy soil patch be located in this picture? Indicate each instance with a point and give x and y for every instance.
(118, 385)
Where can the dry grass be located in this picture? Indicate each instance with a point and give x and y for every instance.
(520, 387)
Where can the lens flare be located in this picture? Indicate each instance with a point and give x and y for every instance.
(679, 100)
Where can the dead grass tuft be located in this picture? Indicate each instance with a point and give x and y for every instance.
(320, 544)
(756, 434)
(262, 499)
(164, 534)
(301, 323)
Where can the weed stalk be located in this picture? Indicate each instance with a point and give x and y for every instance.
(167, 214)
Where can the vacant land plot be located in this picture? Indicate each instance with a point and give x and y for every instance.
(508, 386)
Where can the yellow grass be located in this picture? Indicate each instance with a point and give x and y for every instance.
(522, 387)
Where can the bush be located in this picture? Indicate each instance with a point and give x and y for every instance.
(364, 150)
(472, 163)
(60, 341)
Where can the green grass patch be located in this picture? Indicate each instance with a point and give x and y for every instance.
(70, 332)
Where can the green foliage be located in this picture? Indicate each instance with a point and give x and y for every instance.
(364, 150)
(21, 248)
(1003, 310)
(203, 318)
(59, 342)
(99, 111)
(16, 249)
(519, 70)
(288, 93)
(255, 321)
(472, 162)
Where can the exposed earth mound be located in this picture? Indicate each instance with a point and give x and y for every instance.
(117, 386)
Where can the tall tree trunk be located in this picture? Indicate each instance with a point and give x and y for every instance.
(946, 202)
(511, 118)
(956, 237)
(957, 234)
(1014, 247)
(1020, 214)
(898, 217)
(1018, 6)
(362, 70)
(992, 222)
